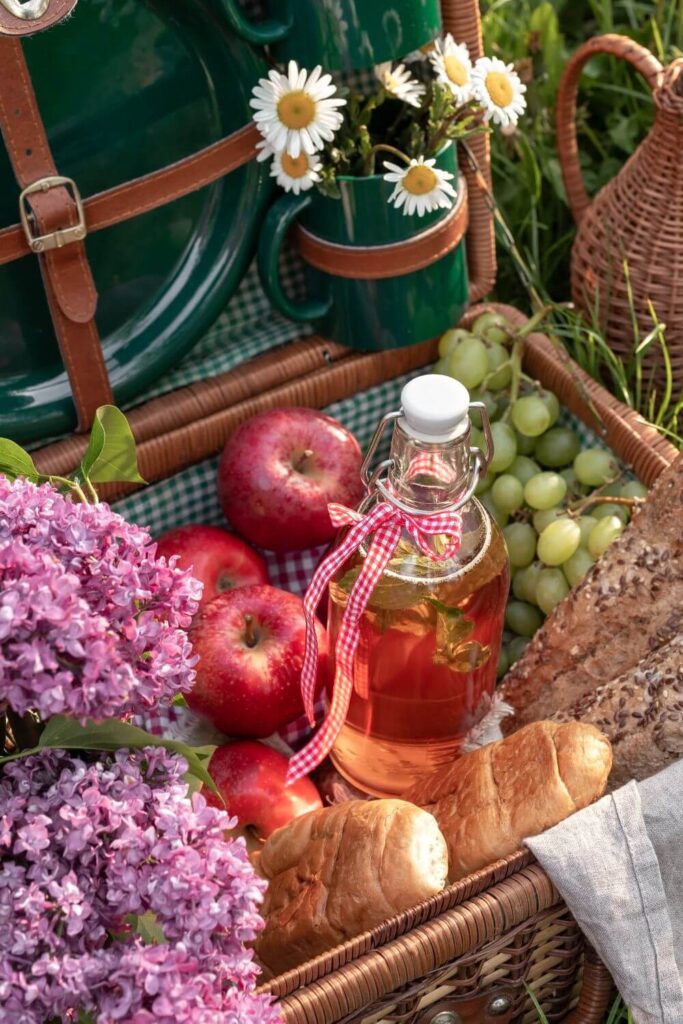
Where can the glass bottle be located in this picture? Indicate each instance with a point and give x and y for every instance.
(430, 636)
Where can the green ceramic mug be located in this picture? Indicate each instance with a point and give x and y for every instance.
(340, 34)
(414, 269)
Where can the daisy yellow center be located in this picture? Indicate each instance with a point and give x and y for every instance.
(499, 88)
(420, 180)
(456, 70)
(296, 109)
(295, 167)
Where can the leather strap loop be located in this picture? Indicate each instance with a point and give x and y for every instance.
(380, 261)
(13, 23)
(152, 190)
(66, 273)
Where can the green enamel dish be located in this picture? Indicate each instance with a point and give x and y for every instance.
(126, 87)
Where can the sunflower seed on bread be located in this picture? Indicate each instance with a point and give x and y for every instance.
(628, 605)
(641, 713)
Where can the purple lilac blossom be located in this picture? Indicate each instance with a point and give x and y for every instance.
(92, 623)
(89, 846)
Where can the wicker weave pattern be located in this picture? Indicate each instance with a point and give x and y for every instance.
(637, 217)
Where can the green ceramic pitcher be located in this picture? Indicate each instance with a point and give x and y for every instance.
(370, 313)
(340, 34)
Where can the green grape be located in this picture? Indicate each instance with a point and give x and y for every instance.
(612, 490)
(441, 366)
(558, 447)
(502, 402)
(634, 489)
(559, 541)
(496, 513)
(524, 583)
(524, 468)
(595, 467)
(551, 588)
(469, 362)
(516, 648)
(520, 539)
(530, 416)
(508, 493)
(492, 327)
(489, 401)
(522, 618)
(451, 339)
(545, 490)
(573, 485)
(586, 524)
(552, 404)
(499, 360)
(603, 533)
(504, 447)
(484, 483)
(476, 438)
(544, 517)
(576, 567)
(608, 508)
(503, 663)
(525, 445)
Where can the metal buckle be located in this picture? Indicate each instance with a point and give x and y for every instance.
(56, 239)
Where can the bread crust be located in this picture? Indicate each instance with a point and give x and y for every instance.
(628, 605)
(489, 800)
(641, 713)
(339, 871)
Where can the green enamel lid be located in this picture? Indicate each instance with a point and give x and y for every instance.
(126, 87)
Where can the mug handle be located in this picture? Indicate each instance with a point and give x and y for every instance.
(279, 219)
(263, 34)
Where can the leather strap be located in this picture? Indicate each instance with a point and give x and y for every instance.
(380, 261)
(66, 273)
(152, 190)
(25, 19)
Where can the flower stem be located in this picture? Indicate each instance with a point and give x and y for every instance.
(369, 165)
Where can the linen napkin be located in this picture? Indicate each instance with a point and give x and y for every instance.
(619, 868)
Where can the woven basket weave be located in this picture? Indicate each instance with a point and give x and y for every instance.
(637, 217)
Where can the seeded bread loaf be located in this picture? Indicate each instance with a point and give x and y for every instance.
(486, 802)
(641, 713)
(339, 871)
(628, 605)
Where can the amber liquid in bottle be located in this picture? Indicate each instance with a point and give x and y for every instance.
(425, 667)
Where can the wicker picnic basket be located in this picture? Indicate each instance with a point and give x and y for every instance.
(467, 954)
(637, 218)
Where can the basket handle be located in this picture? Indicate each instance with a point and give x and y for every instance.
(597, 991)
(618, 46)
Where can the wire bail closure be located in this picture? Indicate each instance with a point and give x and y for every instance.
(373, 480)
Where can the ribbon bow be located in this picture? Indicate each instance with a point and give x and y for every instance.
(386, 522)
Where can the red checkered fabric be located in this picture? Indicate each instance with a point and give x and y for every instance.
(386, 523)
(432, 464)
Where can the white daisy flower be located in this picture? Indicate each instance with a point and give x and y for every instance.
(453, 67)
(420, 188)
(497, 87)
(297, 112)
(295, 174)
(264, 151)
(400, 83)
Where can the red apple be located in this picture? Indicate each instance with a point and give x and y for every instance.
(220, 560)
(251, 780)
(278, 472)
(251, 644)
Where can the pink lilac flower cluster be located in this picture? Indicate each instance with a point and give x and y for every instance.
(91, 622)
(89, 847)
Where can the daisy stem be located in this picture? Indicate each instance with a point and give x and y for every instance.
(369, 165)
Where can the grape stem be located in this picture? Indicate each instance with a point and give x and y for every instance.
(602, 499)
(518, 340)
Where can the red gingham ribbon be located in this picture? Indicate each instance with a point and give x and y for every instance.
(386, 522)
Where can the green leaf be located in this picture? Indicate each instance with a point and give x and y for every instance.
(148, 928)
(110, 455)
(63, 733)
(14, 461)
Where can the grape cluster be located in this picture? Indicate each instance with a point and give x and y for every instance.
(538, 479)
